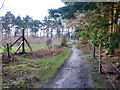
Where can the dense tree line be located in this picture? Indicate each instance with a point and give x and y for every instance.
(96, 23)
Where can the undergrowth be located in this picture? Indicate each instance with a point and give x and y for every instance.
(95, 76)
(27, 72)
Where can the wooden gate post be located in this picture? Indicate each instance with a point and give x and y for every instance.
(8, 52)
(23, 44)
(94, 50)
(100, 66)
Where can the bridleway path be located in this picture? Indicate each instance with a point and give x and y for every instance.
(75, 73)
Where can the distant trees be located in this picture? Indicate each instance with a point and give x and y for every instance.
(36, 25)
(19, 22)
(47, 24)
(27, 22)
(61, 16)
(51, 24)
(9, 20)
(55, 17)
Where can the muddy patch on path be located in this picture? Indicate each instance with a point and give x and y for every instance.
(74, 74)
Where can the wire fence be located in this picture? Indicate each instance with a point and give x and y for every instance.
(108, 76)
(107, 72)
(112, 64)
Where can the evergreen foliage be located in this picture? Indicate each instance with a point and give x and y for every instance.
(94, 24)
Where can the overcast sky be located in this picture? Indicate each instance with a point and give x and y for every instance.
(34, 8)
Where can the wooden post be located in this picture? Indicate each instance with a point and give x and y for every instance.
(89, 44)
(94, 51)
(8, 53)
(100, 67)
(23, 44)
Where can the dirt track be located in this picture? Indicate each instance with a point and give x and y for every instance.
(74, 74)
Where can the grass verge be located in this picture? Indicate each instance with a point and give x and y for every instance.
(34, 48)
(33, 73)
(95, 76)
(76, 45)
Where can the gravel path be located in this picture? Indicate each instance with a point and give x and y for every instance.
(74, 74)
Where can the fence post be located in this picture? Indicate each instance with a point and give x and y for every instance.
(94, 50)
(100, 67)
(8, 52)
(23, 48)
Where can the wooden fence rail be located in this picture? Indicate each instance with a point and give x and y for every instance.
(16, 41)
(18, 47)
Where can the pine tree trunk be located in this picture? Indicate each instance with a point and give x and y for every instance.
(62, 30)
(68, 35)
(40, 34)
(27, 29)
(115, 17)
(111, 17)
(114, 20)
(47, 32)
(51, 33)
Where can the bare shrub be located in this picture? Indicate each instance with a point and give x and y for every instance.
(49, 42)
(63, 41)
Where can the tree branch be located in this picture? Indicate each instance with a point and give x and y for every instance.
(2, 4)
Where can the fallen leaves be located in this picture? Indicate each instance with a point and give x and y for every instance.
(45, 52)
